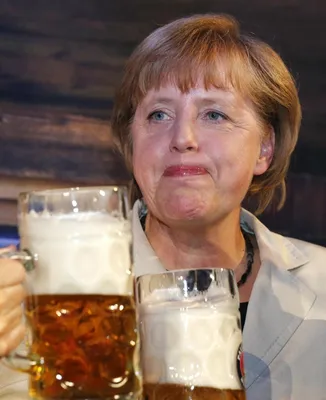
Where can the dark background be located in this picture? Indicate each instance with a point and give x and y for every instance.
(60, 61)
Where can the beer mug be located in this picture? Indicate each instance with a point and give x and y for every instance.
(82, 340)
(191, 336)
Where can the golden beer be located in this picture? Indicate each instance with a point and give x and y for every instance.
(180, 392)
(86, 346)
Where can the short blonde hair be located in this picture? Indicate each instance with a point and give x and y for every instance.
(188, 48)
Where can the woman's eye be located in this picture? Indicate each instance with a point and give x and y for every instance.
(158, 116)
(215, 115)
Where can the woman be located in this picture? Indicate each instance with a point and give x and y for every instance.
(205, 117)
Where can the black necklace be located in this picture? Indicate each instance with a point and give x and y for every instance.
(250, 259)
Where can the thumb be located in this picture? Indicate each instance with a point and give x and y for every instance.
(7, 249)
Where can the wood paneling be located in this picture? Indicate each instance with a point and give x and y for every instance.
(56, 146)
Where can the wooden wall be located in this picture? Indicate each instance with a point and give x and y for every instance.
(60, 62)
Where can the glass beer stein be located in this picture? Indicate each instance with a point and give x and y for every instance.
(82, 340)
(191, 337)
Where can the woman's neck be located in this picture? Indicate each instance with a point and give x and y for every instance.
(220, 245)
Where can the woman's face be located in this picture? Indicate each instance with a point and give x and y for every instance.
(195, 153)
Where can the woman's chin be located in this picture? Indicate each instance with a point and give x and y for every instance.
(184, 205)
(184, 212)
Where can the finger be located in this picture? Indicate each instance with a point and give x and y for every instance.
(7, 249)
(11, 321)
(12, 272)
(12, 340)
(11, 297)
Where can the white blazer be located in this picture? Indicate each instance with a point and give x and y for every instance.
(284, 338)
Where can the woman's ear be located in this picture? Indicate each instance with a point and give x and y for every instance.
(266, 154)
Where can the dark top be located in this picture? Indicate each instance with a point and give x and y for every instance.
(243, 313)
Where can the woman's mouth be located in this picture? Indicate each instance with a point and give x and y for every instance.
(184, 170)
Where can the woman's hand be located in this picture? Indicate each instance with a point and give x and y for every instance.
(12, 294)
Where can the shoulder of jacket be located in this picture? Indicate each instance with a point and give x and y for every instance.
(311, 250)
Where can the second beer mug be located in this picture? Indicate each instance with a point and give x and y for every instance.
(80, 312)
(190, 335)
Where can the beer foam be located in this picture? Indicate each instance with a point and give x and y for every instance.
(215, 293)
(86, 253)
(191, 343)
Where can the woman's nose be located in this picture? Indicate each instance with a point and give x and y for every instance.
(184, 138)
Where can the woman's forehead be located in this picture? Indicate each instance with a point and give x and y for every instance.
(169, 93)
(220, 77)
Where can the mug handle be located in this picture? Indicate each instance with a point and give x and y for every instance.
(17, 360)
(24, 256)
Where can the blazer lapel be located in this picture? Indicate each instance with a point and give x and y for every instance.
(279, 301)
